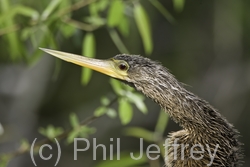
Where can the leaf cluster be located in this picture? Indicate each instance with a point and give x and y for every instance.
(24, 28)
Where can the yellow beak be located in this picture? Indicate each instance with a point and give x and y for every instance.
(104, 66)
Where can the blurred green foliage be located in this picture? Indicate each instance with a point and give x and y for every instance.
(155, 137)
(88, 49)
(51, 131)
(23, 26)
(78, 130)
(144, 27)
(4, 160)
(26, 27)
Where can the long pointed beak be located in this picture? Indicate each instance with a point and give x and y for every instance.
(103, 66)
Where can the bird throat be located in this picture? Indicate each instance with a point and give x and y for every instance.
(188, 110)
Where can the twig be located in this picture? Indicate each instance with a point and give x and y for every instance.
(60, 13)
(117, 41)
(87, 121)
(79, 25)
(74, 7)
(7, 30)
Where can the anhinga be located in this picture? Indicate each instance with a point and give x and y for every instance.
(201, 123)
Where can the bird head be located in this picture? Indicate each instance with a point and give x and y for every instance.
(147, 76)
(127, 68)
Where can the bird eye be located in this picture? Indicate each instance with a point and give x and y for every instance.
(123, 66)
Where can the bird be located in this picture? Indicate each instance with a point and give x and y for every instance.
(201, 123)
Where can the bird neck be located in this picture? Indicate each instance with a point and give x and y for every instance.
(185, 108)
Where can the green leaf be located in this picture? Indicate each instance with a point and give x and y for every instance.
(102, 5)
(100, 111)
(26, 32)
(50, 8)
(117, 41)
(86, 75)
(67, 30)
(162, 10)
(26, 11)
(141, 106)
(14, 43)
(4, 5)
(162, 122)
(15, 46)
(42, 131)
(19, 9)
(51, 131)
(85, 131)
(24, 145)
(94, 20)
(115, 13)
(4, 160)
(89, 51)
(144, 28)
(73, 134)
(178, 5)
(105, 101)
(111, 113)
(123, 26)
(97, 6)
(116, 85)
(89, 45)
(93, 9)
(124, 161)
(140, 133)
(65, 4)
(137, 99)
(162, 149)
(125, 111)
(74, 120)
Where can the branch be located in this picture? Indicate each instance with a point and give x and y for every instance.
(7, 30)
(60, 13)
(80, 25)
(74, 7)
(85, 122)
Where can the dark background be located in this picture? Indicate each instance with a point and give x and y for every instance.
(207, 48)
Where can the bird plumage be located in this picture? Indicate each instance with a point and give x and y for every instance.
(202, 124)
